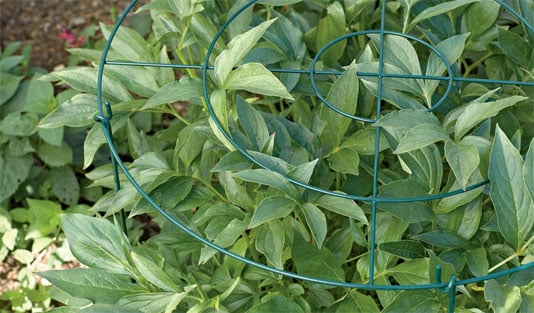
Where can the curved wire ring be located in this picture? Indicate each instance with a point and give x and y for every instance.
(387, 32)
(117, 163)
(251, 158)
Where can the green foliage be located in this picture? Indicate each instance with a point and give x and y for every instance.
(182, 159)
(37, 181)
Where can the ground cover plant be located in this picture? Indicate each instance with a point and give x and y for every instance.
(435, 136)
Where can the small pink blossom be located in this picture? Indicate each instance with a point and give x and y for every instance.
(71, 40)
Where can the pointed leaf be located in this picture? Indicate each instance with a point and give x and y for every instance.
(316, 221)
(270, 208)
(512, 201)
(463, 160)
(477, 112)
(439, 9)
(343, 206)
(237, 49)
(420, 137)
(256, 78)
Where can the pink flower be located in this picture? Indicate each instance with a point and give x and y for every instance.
(71, 40)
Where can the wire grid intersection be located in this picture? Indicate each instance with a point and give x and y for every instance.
(374, 199)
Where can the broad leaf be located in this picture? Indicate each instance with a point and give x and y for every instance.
(477, 112)
(269, 178)
(253, 123)
(316, 221)
(463, 160)
(76, 112)
(439, 9)
(512, 201)
(270, 208)
(343, 206)
(345, 161)
(153, 273)
(183, 90)
(45, 218)
(320, 263)
(502, 299)
(409, 249)
(270, 241)
(414, 302)
(443, 239)
(13, 171)
(95, 242)
(329, 27)
(97, 285)
(528, 170)
(277, 304)
(256, 78)
(420, 137)
(236, 51)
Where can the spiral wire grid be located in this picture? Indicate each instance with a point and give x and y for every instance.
(104, 116)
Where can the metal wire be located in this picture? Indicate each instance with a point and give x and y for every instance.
(374, 199)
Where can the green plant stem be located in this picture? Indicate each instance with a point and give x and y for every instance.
(513, 256)
(356, 257)
(211, 188)
(251, 247)
(472, 66)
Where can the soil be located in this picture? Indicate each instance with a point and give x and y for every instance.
(40, 23)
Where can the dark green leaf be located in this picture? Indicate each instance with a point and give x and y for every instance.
(438, 10)
(253, 123)
(277, 304)
(477, 262)
(409, 212)
(528, 169)
(65, 185)
(404, 248)
(13, 171)
(345, 161)
(55, 156)
(320, 263)
(443, 239)
(514, 47)
(513, 204)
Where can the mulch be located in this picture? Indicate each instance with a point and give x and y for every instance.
(40, 23)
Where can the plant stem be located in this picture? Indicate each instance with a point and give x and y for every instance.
(513, 256)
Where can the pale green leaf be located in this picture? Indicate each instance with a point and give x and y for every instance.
(84, 79)
(345, 161)
(98, 285)
(270, 208)
(183, 90)
(270, 241)
(512, 201)
(502, 299)
(316, 221)
(256, 78)
(477, 112)
(421, 136)
(528, 169)
(463, 160)
(95, 242)
(8, 86)
(44, 218)
(153, 273)
(320, 263)
(342, 206)
(236, 50)
(269, 178)
(414, 302)
(76, 112)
